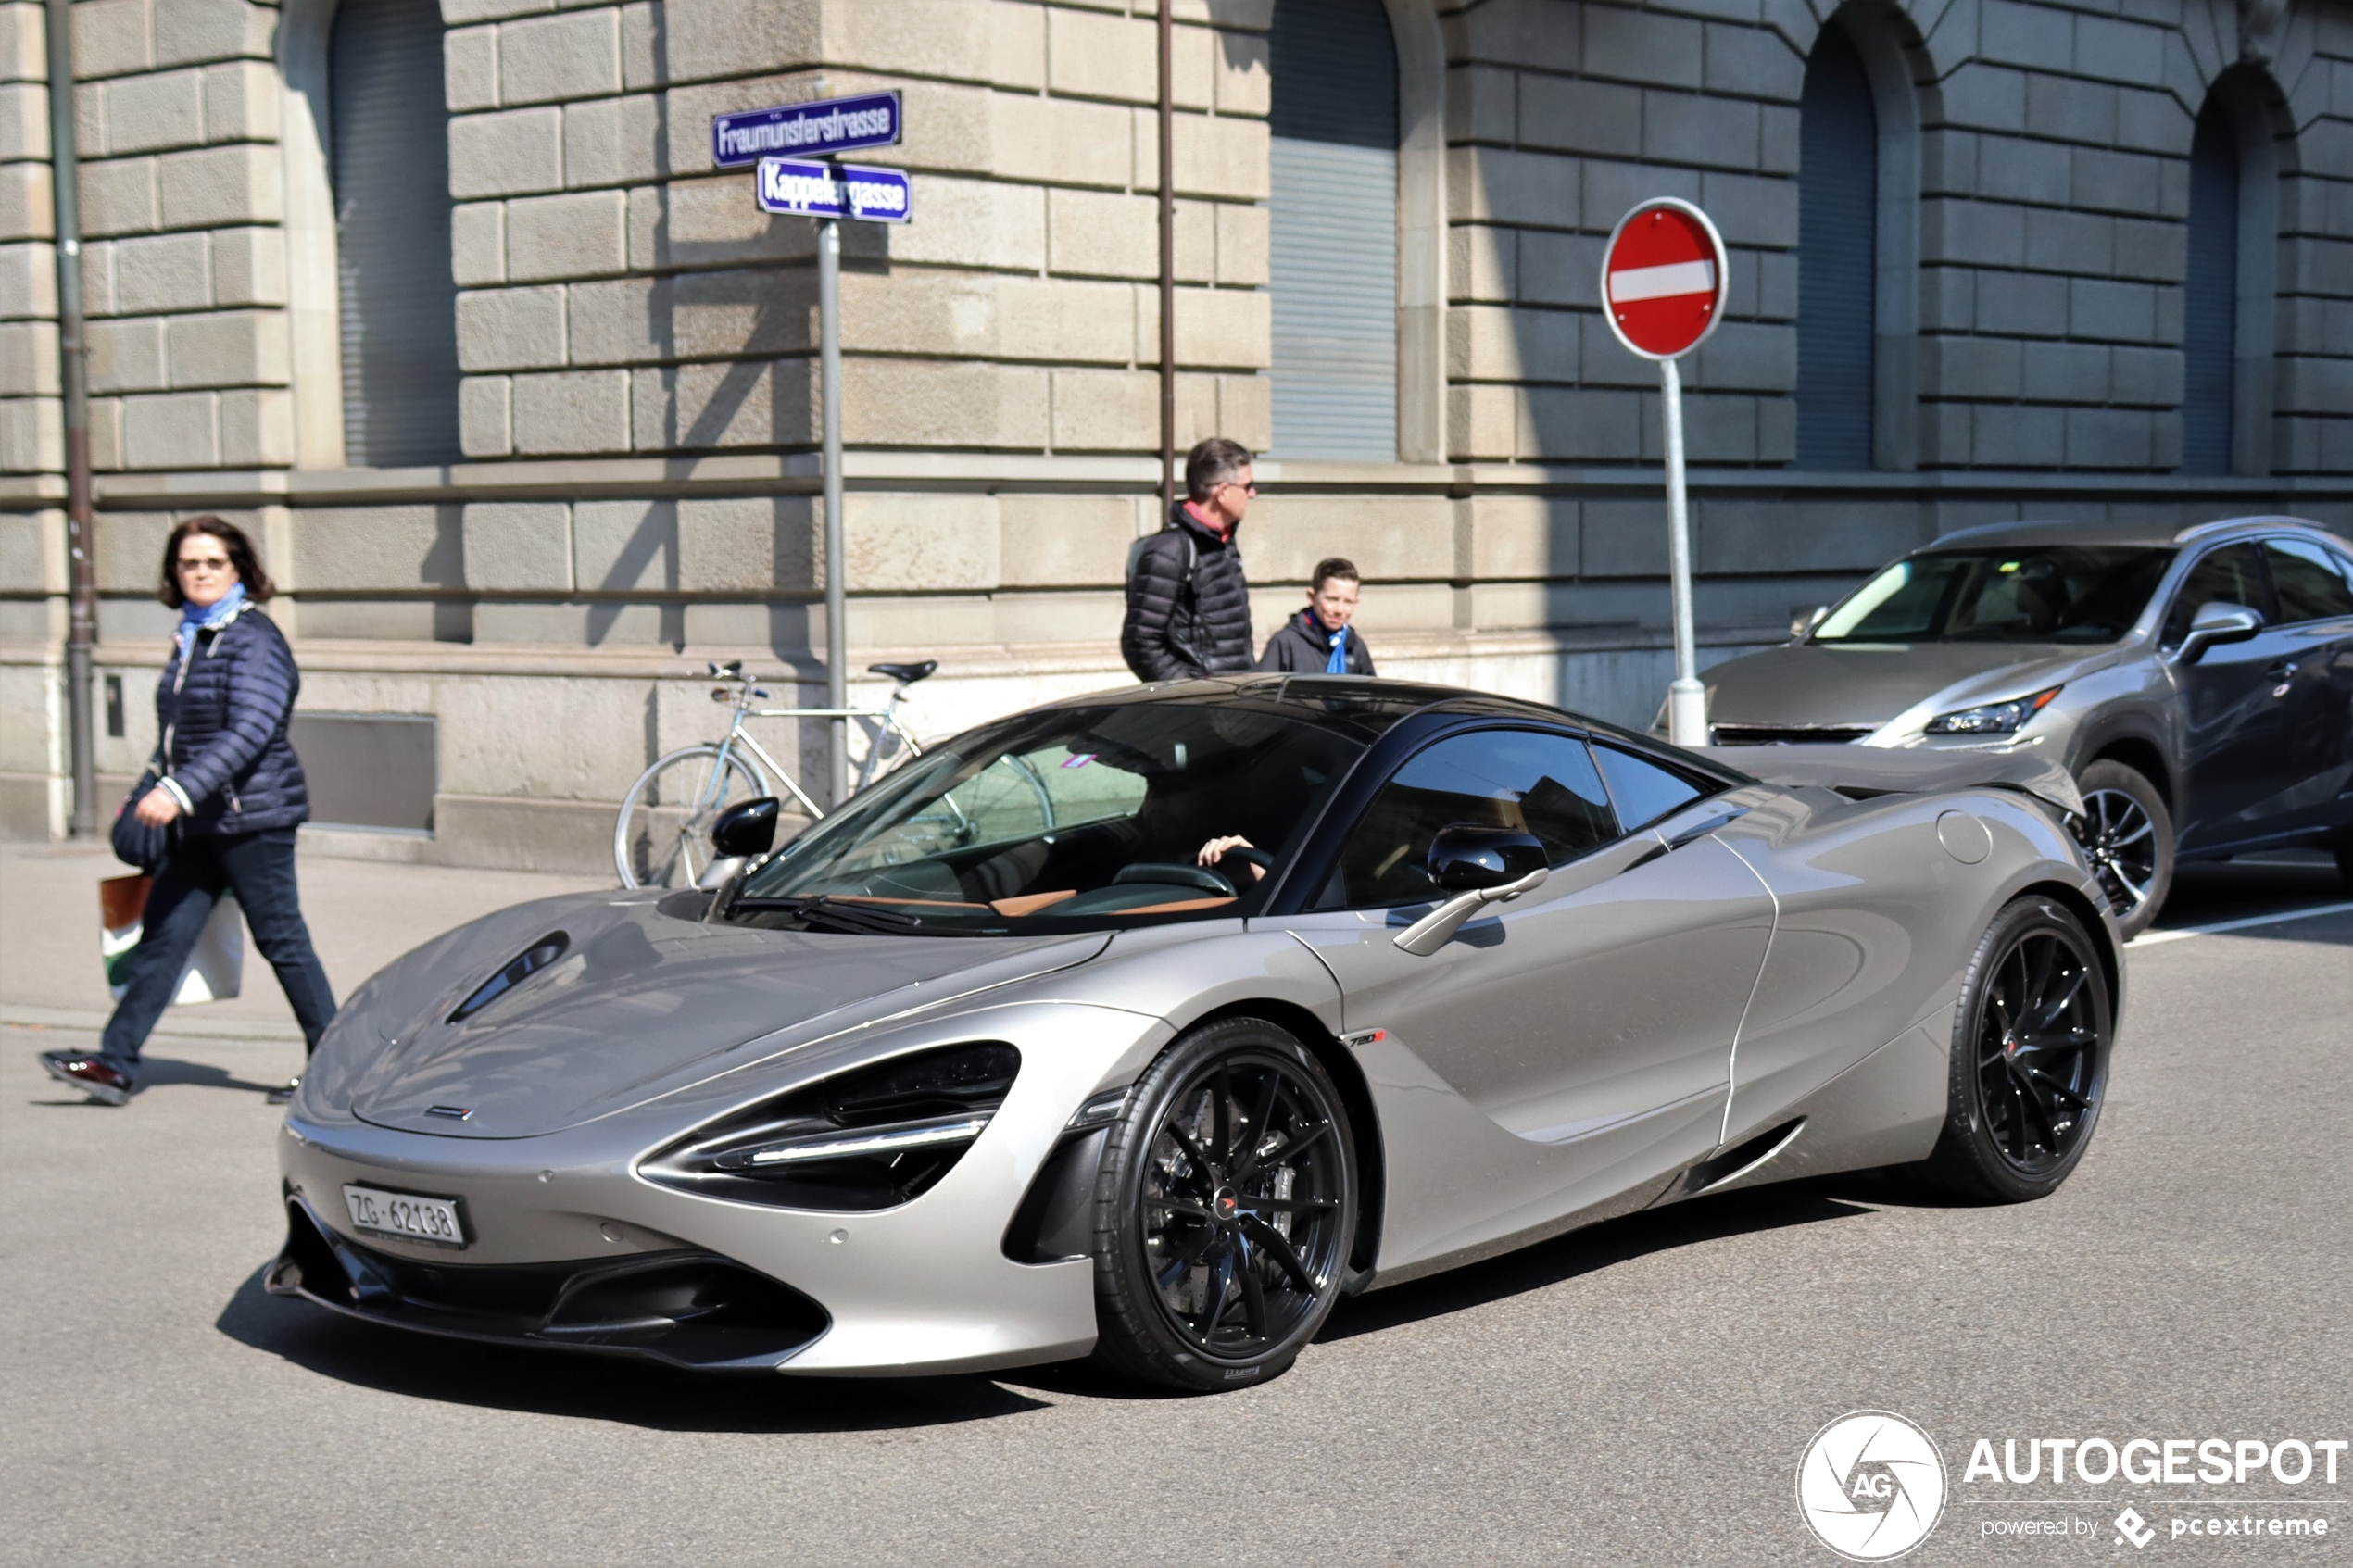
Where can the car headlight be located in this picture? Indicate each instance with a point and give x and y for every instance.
(1994, 718)
(874, 1137)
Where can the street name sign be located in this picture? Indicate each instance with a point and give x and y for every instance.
(813, 130)
(835, 190)
(1663, 283)
(1663, 279)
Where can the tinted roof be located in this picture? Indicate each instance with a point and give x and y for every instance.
(1364, 706)
(2153, 533)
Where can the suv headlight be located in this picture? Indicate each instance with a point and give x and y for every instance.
(873, 1137)
(1994, 718)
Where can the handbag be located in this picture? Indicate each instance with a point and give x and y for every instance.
(215, 969)
(136, 843)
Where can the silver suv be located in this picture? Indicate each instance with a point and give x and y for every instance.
(2197, 682)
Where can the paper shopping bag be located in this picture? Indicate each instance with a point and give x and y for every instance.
(216, 969)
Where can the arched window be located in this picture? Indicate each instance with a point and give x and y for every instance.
(1334, 230)
(1838, 212)
(2211, 290)
(390, 151)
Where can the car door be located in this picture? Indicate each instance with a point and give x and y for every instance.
(2314, 587)
(1572, 1045)
(2235, 739)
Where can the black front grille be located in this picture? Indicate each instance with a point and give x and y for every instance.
(690, 1309)
(1765, 734)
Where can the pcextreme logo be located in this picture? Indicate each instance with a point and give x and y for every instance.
(1870, 1486)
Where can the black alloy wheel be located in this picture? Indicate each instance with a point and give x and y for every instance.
(1224, 1210)
(2030, 1041)
(2127, 835)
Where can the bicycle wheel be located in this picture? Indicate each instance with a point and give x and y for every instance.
(662, 836)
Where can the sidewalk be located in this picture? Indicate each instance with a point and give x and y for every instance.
(362, 914)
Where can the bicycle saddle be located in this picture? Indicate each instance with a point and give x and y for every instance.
(905, 674)
(731, 670)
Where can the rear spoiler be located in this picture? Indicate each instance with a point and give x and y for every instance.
(1865, 770)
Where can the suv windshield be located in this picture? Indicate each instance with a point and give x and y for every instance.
(1087, 819)
(2045, 593)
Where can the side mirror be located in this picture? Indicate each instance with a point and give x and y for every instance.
(1802, 626)
(1465, 859)
(746, 830)
(2217, 623)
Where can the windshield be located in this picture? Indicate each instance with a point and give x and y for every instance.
(1084, 818)
(2050, 594)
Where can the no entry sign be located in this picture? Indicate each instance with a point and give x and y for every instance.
(1662, 294)
(1663, 279)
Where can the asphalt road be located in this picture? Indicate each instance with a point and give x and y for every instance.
(1638, 1393)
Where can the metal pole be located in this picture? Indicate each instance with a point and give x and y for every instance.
(837, 625)
(1686, 698)
(1167, 266)
(81, 614)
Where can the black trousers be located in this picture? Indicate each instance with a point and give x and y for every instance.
(259, 869)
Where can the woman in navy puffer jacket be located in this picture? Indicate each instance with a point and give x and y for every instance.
(230, 791)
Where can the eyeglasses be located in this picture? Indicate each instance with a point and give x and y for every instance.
(1247, 489)
(204, 563)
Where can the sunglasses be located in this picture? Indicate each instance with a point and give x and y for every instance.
(203, 563)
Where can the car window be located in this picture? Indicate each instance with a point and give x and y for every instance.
(1062, 818)
(2309, 579)
(2233, 574)
(1644, 790)
(2041, 593)
(1539, 782)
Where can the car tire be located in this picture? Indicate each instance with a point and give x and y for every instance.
(2030, 1041)
(2127, 833)
(1215, 1265)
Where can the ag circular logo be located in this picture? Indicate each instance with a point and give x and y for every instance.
(1872, 1486)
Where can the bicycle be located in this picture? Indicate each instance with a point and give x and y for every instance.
(663, 835)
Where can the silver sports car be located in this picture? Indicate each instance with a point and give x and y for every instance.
(1150, 1024)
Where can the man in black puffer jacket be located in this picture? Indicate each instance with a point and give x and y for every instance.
(1188, 601)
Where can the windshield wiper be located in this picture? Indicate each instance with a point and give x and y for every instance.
(821, 911)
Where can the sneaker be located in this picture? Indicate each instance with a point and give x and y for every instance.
(282, 1095)
(104, 1082)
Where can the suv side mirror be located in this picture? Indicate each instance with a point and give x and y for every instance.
(1464, 858)
(746, 830)
(2216, 624)
(1802, 626)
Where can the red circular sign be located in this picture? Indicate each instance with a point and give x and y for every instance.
(1663, 279)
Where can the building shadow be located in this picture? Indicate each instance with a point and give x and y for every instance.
(628, 1392)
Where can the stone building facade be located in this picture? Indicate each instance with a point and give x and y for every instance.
(1989, 260)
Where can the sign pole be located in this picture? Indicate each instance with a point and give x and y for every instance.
(1664, 277)
(1686, 698)
(829, 374)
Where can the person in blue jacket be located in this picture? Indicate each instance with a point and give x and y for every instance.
(230, 791)
(1319, 639)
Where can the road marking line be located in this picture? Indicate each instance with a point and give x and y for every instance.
(2151, 938)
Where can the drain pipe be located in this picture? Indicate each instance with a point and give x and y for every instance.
(1167, 268)
(82, 622)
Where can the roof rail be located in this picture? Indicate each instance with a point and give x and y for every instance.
(2200, 530)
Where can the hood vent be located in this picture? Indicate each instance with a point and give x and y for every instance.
(525, 964)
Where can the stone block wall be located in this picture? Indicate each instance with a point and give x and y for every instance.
(635, 340)
(622, 295)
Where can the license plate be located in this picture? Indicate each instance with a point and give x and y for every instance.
(430, 1220)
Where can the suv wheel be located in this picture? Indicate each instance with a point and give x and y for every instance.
(2127, 835)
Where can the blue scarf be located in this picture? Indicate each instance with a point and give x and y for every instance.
(193, 618)
(1338, 663)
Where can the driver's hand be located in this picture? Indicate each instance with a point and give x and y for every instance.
(1215, 851)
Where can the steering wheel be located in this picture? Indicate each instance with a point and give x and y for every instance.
(1169, 871)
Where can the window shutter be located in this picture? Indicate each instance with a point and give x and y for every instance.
(391, 153)
(1837, 261)
(2210, 288)
(1334, 230)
